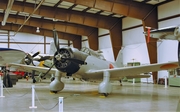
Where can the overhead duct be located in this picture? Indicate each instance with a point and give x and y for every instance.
(8, 9)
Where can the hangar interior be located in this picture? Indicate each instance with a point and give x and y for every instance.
(106, 25)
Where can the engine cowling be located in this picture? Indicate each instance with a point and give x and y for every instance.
(67, 63)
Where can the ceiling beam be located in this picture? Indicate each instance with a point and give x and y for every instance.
(50, 25)
(77, 17)
(7, 11)
(44, 32)
(128, 8)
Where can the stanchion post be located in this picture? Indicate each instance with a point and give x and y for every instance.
(165, 82)
(33, 98)
(60, 104)
(1, 83)
(133, 80)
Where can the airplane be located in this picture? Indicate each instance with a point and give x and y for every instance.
(90, 65)
(167, 33)
(170, 33)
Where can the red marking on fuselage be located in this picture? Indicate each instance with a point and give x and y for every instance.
(111, 66)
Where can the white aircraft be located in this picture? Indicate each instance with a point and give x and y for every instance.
(89, 64)
(168, 33)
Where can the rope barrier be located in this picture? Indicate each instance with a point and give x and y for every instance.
(34, 95)
(11, 95)
(43, 106)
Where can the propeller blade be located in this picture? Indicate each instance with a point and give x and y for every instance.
(179, 53)
(44, 58)
(35, 54)
(56, 40)
(48, 70)
(29, 59)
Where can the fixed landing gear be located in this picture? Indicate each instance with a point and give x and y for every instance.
(105, 86)
(54, 92)
(104, 94)
(56, 85)
(120, 81)
(34, 80)
(52, 79)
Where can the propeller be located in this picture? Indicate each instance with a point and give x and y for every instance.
(56, 40)
(44, 58)
(35, 54)
(61, 56)
(29, 58)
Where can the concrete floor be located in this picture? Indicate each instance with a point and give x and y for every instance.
(83, 97)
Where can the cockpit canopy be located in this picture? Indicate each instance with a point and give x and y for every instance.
(93, 53)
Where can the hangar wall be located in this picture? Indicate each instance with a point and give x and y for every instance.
(134, 44)
(137, 48)
(168, 15)
(29, 43)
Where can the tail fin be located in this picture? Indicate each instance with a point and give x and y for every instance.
(52, 48)
(119, 59)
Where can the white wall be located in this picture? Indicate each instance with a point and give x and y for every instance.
(167, 49)
(134, 44)
(29, 38)
(85, 41)
(105, 45)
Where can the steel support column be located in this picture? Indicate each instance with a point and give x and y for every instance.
(77, 42)
(93, 40)
(152, 50)
(116, 37)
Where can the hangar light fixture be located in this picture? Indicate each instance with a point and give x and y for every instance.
(37, 30)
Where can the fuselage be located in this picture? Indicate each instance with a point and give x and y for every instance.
(79, 62)
(94, 63)
(8, 55)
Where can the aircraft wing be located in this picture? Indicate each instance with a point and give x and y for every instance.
(132, 71)
(29, 68)
(164, 33)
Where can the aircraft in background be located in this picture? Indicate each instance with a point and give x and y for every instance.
(88, 64)
(168, 33)
(8, 55)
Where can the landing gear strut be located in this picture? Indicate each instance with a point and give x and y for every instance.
(56, 85)
(105, 86)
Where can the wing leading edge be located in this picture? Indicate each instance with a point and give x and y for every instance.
(29, 68)
(133, 71)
